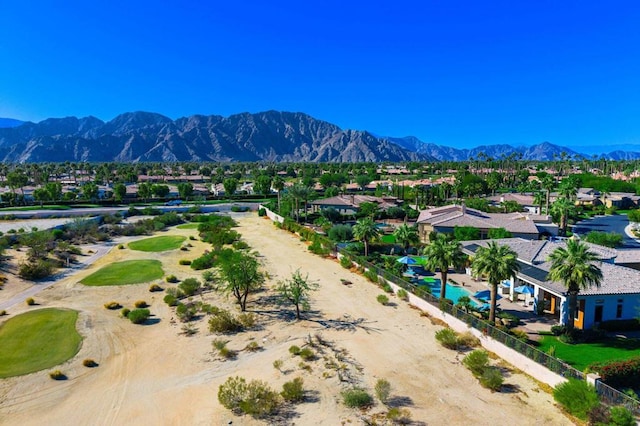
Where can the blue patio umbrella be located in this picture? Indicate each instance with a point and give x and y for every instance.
(524, 289)
(407, 260)
(485, 295)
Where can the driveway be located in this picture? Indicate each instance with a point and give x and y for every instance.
(612, 223)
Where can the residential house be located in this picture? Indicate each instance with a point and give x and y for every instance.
(617, 298)
(348, 204)
(446, 218)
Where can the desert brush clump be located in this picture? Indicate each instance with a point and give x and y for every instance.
(255, 398)
(356, 398)
(293, 391)
(112, 305)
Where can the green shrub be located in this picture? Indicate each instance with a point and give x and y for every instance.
(224, 322)
(621, 416)
(184, 262)
(447, 338)
(140, 304)
(371, 275)
(557, 330)
(247, 319)
(139, 316)
(491, 378)
(89, 363)
(519, 334)
(294, 350)
(383, 390)
(57, 375)
(171, 279)
(341, 233)
(402, 294)
(382, 299)
(29, 301)
(477, 361)
(185, 312)
(124, 313)
(345, 262)
(293, 391)
(262, 212)
(170, 300)
(468, 340)
(356, 398)
(155, 287)
(190, 286)
(3, 312)
(577, 397)
(240, 245)
(277, 364)
(307, 354)
(112, 305)
(255, 398)
(228, 353)
(39, 269)
(387, 288)
(121, 246)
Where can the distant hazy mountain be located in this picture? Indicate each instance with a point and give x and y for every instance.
(9, 122)
(542, 152)
(144, 136)
(266, 136)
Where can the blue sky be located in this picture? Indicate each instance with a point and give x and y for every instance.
(457, 73)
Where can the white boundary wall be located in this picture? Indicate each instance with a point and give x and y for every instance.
(272, 215)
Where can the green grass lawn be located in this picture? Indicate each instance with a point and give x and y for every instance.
(37, 340)
(127, 272)
(188, 226)
(581, 355)
(163, 243)
(388, 239)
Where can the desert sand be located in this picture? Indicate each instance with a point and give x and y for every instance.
(154, 374)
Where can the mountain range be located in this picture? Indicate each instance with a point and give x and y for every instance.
(266, 136)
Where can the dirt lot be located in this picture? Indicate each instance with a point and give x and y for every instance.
(156, 375)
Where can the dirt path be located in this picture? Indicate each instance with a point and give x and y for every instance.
(153, 374)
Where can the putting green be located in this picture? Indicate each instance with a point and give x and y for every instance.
(164, 243)
(127, 272)
(37, 340)
(188, 226)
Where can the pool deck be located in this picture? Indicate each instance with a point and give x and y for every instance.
(530, 322)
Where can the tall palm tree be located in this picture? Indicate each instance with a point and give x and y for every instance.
(299, 193)
(548, 183)
(442, 253)
(278, 185)
(498, 263)
(563, 208)
(365, 230)
(538, 199)
(406, 235)
(574, 267)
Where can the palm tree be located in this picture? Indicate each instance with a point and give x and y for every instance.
(405, 235)
(538, 199)
(299, 193)
(498, 263)
(563, 208)
(574, 267)
(365, 230)
(548, 183)
(442, 253)
(278, 185)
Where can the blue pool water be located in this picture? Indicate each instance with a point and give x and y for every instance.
(453, 292)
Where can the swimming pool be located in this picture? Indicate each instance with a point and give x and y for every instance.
(453, 293)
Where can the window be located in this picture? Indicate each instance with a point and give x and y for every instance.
(619, 310)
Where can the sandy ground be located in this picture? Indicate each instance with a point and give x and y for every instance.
(156, 375)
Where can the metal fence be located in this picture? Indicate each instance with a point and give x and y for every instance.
(613, 396)
(552, 363)
(606, 393)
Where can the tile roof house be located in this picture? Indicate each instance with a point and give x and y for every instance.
(617, 298)
(348, 204)
(446, 218)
